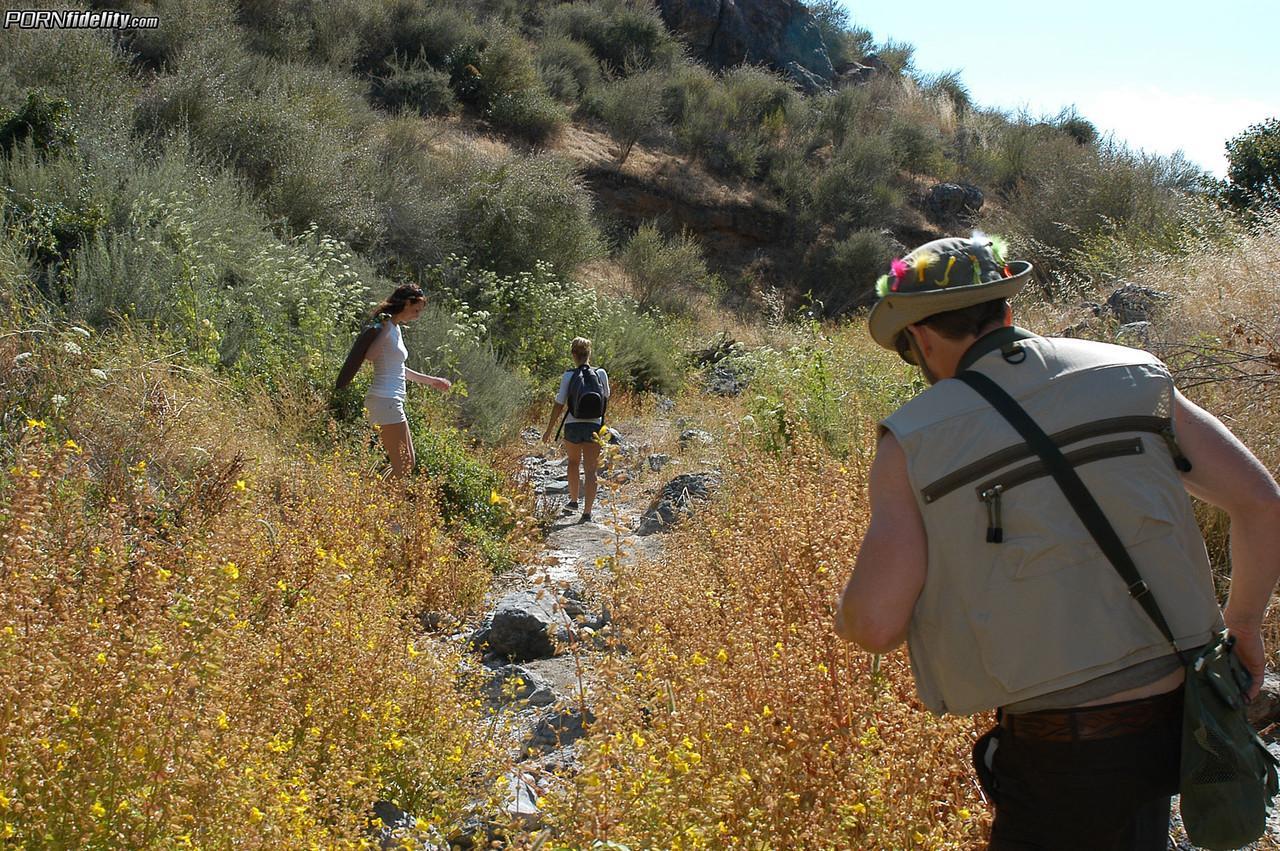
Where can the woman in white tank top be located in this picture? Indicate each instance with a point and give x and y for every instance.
(382, 344)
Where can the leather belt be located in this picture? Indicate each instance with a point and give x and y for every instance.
(1093, 722)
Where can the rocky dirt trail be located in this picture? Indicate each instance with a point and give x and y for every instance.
(533, 657)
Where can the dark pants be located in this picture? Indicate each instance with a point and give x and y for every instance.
(1110, 793)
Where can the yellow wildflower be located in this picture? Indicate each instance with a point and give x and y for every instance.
(36, 423)
(231, 570)
(98, 810)
(240, 485)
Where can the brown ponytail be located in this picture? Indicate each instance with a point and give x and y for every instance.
(402, 297)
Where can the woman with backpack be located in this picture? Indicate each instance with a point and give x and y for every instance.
(382, 344)
(584, 390)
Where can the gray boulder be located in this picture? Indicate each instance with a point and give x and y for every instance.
(696, 435)
(557, 730)
(658, 460)
(727, 378)
(525, 626)
(677, 499)
(513, 683)
(782, 34)
(952, 203)
(1134, 303)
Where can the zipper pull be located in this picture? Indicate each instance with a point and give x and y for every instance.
(1179, 460)
(991, 496)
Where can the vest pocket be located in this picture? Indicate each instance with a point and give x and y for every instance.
(1053, 608)
(992, 492)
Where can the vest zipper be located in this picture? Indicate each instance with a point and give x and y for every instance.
(991, 496)
(987, 465)
(991, 491)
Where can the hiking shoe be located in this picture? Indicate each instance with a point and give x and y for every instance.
(572, 506)
(586, 517)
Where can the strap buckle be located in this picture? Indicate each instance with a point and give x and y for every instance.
(1139, 588)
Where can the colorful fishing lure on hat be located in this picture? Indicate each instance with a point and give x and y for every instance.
(926, 270)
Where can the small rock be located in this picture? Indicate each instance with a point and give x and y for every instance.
(1134, 334)
(676, 500)
(522, 801)
(727, 378)
(525, 625)
(696, 435)
(657, 461)
(511, 683)
(556, 487)
(557, 730)
(665, 404)
(1133, 303)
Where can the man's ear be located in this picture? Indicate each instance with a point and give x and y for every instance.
(923, 337)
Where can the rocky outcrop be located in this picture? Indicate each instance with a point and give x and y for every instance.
(952, 204)
(782, 34)
(677, 500)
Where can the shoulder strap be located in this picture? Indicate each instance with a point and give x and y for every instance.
(1086, 507)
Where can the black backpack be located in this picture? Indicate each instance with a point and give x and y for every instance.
(586, 394)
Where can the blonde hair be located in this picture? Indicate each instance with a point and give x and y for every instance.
(581, 350)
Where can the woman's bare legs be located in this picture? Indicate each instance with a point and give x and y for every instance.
(575, 455)
(590, 461)
(398, 442)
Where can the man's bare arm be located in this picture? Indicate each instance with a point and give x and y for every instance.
(1226, 474)
(875, 608)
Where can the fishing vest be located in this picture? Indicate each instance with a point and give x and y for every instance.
(1019, 601)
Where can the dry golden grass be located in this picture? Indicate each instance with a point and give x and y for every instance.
(213, 645)
(740, 720)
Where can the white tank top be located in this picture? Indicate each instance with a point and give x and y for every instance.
(388, 355)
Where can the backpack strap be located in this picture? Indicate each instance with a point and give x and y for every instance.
(1082, 501)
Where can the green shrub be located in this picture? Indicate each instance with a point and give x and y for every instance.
(838, 114)
(624, 36)
(856, 191)
(184, 24)
(414, 85)
(898, 55)
(41, 122)
(918, 147)
(631, 108)
(841, 274)
(568, 68)
(664, 272)
(524, 209)
(758, 93)
(637, 353)
(53, 207)
(533, 115)
(845, 42)
(949, 86)
(432, 31)
(466, 484)
(1075, 125)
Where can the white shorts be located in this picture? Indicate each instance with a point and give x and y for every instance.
(384, 411)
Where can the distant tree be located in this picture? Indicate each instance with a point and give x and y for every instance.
(632, 108)
(1253, 165)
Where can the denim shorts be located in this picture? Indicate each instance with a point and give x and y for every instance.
(384, 411)
(581, 432)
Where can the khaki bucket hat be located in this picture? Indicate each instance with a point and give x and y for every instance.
(946, 274)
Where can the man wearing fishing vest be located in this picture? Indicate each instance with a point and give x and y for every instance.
(975, 557)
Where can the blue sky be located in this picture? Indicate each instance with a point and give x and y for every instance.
(1163, 76)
